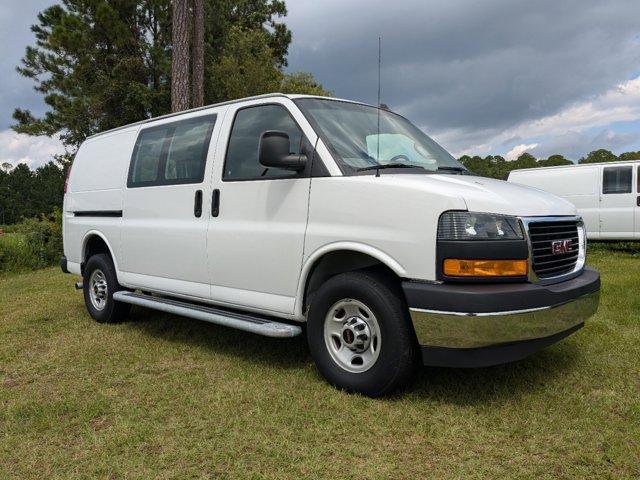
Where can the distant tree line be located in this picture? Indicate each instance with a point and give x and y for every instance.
(495, 166)
(26, 193)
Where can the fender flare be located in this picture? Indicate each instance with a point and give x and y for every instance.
(97, 233)
(356, 247)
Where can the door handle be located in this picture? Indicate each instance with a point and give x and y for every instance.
(215, 203)
(638, 201)
(197, 206)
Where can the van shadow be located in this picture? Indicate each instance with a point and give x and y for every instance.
(542, 370)
(457, 386)
(290, 353)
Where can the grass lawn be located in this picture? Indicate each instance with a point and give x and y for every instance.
(168, 397)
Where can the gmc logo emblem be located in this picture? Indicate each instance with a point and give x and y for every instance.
(560, 246)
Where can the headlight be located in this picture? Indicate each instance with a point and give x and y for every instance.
(456, 225)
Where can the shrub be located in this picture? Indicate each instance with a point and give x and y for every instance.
(35, 243)
(15, 254)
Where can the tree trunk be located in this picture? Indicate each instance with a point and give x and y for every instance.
(180, 56)
(198, 53)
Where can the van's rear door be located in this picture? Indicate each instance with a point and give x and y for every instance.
(164, 222)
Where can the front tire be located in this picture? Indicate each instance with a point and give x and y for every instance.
(99, 285)
(360, 335)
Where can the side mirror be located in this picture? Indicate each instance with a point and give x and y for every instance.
(274, 152)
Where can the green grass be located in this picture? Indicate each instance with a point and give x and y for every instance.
(168, 397)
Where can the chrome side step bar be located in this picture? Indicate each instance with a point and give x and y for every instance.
(240, 321)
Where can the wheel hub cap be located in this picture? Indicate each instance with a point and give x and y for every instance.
(98, 292)
(356, 334)
(352, 335)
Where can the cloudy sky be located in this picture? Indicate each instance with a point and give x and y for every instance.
(489, 77)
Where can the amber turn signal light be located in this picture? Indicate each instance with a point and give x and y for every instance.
(485, 268)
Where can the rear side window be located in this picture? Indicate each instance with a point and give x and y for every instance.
(171, 154)
(617, 179)
(249, 124)
(147, 154)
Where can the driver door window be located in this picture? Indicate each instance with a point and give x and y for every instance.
(248, 126)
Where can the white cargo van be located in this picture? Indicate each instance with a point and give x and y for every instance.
(606, 195)
(272, 213)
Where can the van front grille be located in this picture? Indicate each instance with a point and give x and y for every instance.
(549, 261)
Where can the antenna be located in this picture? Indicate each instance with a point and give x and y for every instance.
(378, 106)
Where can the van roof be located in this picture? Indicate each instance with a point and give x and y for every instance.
(228, 102)
(575, 165)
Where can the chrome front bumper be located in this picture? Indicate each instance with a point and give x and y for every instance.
(475, 325)
(472, 330)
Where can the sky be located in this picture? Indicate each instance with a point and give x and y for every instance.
(491, 77)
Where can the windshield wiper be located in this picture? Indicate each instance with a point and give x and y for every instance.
(445, 168)
(388, 165)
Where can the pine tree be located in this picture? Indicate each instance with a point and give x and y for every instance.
(180, 56)
(198, 53)
(104, 63)
(99, 64)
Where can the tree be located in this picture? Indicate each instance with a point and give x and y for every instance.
(492, 166)
(554, 160)
(262, 52)
(243, 67)
(99, 64)
(598, 156)
(180, 56)
(6, 166)
(302, 83)
(630, 156)
(27, 193)
(198, 53)
(525, 160)
(48, 188)
(105, 63)
(497, 167)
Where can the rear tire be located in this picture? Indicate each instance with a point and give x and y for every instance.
(99, 285)
(360, 335)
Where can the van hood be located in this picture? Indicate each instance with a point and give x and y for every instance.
(482, 194)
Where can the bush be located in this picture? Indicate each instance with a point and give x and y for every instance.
(15, 254)
(35, 243)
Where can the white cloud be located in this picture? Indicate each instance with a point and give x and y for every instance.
(518, 150)
(576, 144)
(18, 148)
(619, 104)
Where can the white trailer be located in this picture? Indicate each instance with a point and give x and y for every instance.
(607, 195)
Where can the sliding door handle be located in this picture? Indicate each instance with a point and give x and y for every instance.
(215, 203)
(197, 204)
(638, 201)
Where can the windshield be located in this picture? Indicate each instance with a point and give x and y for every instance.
(351, 133)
